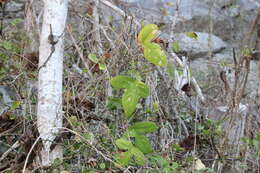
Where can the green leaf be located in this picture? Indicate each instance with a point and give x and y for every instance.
(256, 143)
(143, 144)
(74, 121)
(142, 88)
(246, 140)
(16, 21)
(102, 66)
(7, 45)
(155, 107)
(219, 130)
(129, 133)
(124, 144)
(15, 105)
(257, 137)
(159, 160)
(120, 81)
(192, 35)
(247, 51)
(129, 100)
(176, 47)
(163, 162)
(148, 33)
(154, 54)
(89, 137)
(102, 165)
(123, 158)
(114, 103)
(174, 165)
(177, 147)
(138, 155)
(144, 127)
(93, 57)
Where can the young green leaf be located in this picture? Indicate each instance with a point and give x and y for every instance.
(142, 89)
(102, 66)
(15, 105)
(138, 155)
(16, 21)
(192, 35)
(123, 144)
(155, 107)
(144, 127)
(154, 54)
(176, 47)
(129, 100)
(120, 81)
(148, 33)
(247, 51)
(123, 158)
(93, 57)
(143, 144)
(129, 133)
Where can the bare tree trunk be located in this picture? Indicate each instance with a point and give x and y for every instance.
(50, 77)
(31, 51)
(31, 28)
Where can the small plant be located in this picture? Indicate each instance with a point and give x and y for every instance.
(253, 143)
(134, 89)
(94, 59)
(134, 145)
(163, 164)
(152, 51)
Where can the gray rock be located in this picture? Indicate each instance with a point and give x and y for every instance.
(228, 19)
(201, 67)
(248, 4)
(161, 11)
(7, 95)
(222, 3)
(203, 45)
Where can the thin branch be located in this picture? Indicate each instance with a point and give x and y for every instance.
(119, 11)
(29, 153)
(14, 146)
(79, 52)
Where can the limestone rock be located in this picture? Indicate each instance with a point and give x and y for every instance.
(203, 45)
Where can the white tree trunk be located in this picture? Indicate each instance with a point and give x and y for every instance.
(49, 108)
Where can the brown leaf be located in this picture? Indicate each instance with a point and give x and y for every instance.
(188, 142)
(158, 40)
(187, 88)
(32, 60)
(107, 55)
